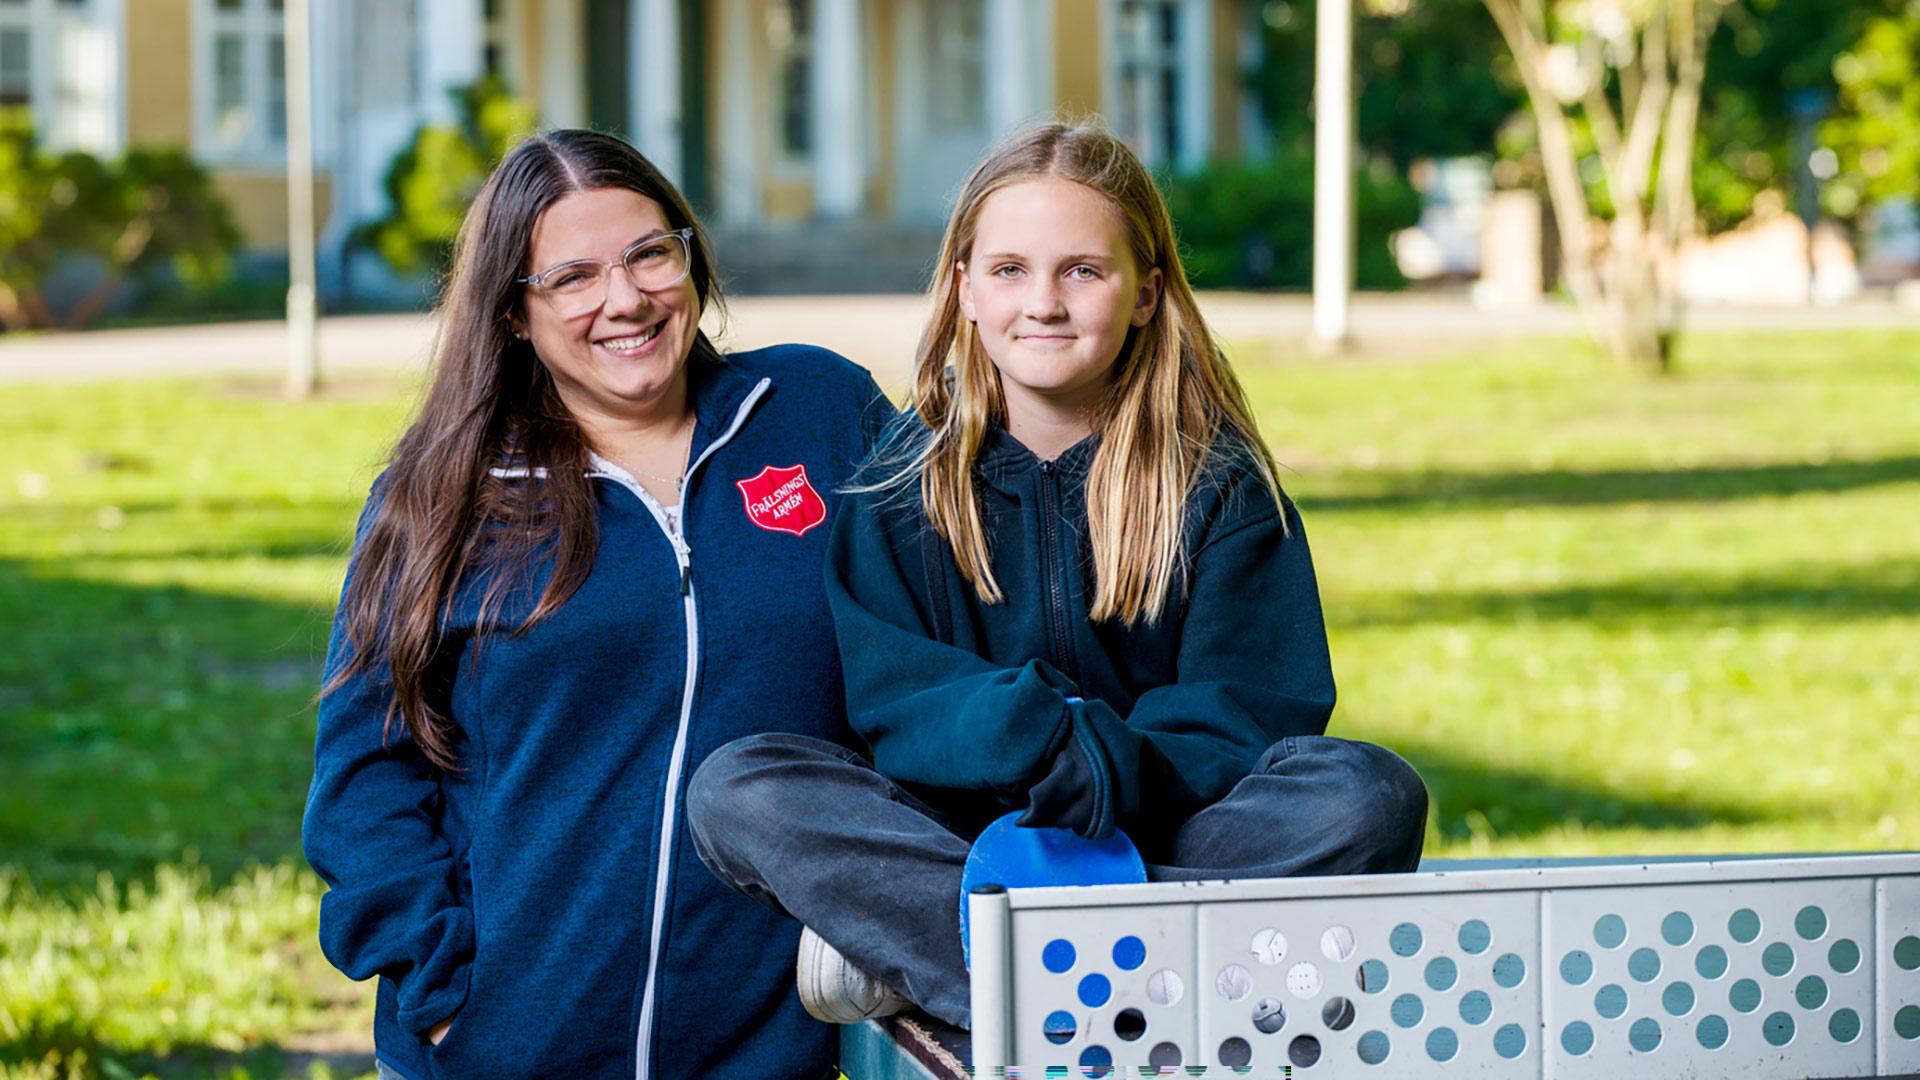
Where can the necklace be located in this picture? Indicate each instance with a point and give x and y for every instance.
(676, 482)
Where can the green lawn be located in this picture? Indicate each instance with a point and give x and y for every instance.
(1601, 613)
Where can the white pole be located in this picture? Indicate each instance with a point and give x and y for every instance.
(1333, 175)
(303, 315)
(989, 930)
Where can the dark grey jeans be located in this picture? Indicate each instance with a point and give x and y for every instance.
(810, 829)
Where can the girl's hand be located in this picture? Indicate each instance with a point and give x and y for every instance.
(1064, 798)
(439, 1031)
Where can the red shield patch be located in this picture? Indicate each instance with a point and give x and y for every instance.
(781, 500)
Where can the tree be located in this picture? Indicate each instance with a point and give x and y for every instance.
(1631, 72)
(1876, 133)
(151, 210)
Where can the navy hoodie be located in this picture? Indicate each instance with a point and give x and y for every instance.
(968, 703)
(546, 896)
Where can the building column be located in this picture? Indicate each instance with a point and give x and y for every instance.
(839, 120)
(653, 80)
(563, 64)
(1195, 102)
(737, 187)
(452, 55)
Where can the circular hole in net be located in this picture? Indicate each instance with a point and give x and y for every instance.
(1336, 943)
(1475, 937)
(1509, 970)
(1777, 1029)
(1096, 1061)
(1610, 1001)
(1576, 967)
(1677, 999)
(1130, 1024)
(1059, 1027)
(1234, 982)
(1476, 1007)
(1906, 1022)
(1442, 1044)
(1844, 1025)
(1269, 1016)
(1510, 1041)
(1304, 1050)
(1441, 973)
(1303, 980)
(1058, 956)
(1404, 940)
(1337, 1014)
(1644, 1035)
(1777, 959)
(1644, 965)
(1744, 996)
(1844, 956)
(1095, 990)
(1810, 923)
(1906, 953)
(1744, 926)
(1164, 1055)
(1677, 928)
(1576, 1038)
(1406, 1010)
(1711, 963)
(1371, 977)
(1165, 988)
(1269, 945)
(1811, 992)
(1711, 1032)
(1609, 931)
(1129, 953)
(1373, 1048)
(1236, 1053)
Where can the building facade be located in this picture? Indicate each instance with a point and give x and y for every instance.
(783, 119)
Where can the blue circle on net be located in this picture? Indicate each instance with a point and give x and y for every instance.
(1576, 1038)
(1095, 991)
(1777, 959)
(1476, 1007)
(1844, 1025)
(1811, 993)
(1677, 999)
(1576, 967)
(1475, 937)
(1844, 956)
(1677, 928)
(1058, 956)
(1442, 1044)
(1509, 969)
(1059, 1027)
(1712, 1032)
(1644, 965)
(1129, 953)
(1441, 973)
(1644, 1035)
(1610, 1001)
(1510, 1041)
(1406, 1010)
(1096, 1060)
(1744, 995)
(1372, 976)
(1609, 931)
(1404, 940)
(1777, 1029)
(1711, 963)
(1373, 1047)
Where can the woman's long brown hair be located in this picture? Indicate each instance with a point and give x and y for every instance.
(1171, 396)
(441, 519)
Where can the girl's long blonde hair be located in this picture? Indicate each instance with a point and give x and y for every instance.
(1171, 396)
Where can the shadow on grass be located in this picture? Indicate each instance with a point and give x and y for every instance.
(138, 722)
(1429, 491)
(1471, 796)
(1886, 589)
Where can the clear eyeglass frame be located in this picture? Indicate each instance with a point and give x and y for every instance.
(571, 297)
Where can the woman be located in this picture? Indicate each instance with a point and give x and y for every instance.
(593, 557)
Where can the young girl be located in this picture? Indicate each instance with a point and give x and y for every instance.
(1074, 586)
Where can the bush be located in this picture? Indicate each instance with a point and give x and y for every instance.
(149, 213)
(432, 182)
(1250, 224)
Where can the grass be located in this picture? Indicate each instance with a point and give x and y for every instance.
(1601, 613)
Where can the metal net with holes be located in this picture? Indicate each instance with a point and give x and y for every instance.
(1738, 968)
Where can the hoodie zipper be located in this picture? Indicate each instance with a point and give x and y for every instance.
(1050, 565)
(676, 764)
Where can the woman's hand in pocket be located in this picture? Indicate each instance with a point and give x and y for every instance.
(439, 1031)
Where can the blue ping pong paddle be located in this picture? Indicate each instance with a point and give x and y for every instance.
(1006, 854)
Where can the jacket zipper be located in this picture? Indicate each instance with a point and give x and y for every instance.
(1050, 565)
(670, 806)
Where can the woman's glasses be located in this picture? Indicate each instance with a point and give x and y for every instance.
(578, 287)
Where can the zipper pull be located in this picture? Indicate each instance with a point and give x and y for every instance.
(686, 579)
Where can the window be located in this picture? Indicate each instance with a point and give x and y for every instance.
(956, 78)
(57, 59)
(790, 34)
(1150, 44)
(494, 37)
(242, 88)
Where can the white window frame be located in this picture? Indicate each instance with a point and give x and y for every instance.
(1190, 61)
(77, 57)
(258, 26)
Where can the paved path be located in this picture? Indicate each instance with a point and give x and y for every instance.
(878, 331)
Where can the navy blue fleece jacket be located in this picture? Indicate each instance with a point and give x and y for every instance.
(546, 897)
(969, 704)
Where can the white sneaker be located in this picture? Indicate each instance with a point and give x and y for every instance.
(835, 991)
